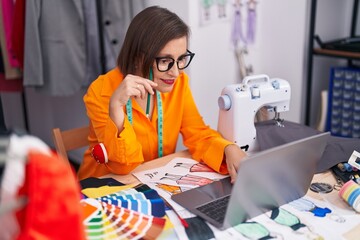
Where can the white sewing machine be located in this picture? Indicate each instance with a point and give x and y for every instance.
(239, 103)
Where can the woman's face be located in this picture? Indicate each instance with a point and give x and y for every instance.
(173, 49)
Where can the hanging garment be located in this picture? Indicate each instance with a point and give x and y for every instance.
(92, 36)
(55, 51)
(10, 71)
(7, 18)
(18, 32)
(6, 85)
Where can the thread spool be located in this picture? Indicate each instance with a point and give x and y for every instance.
(350, 192)
(348, 167)
(341, 167)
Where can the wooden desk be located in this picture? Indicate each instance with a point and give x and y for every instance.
(332, 197)
(326, 177)
(130, 179)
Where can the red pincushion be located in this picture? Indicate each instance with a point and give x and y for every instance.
(99, 153)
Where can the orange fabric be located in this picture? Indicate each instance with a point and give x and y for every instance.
(53, 210)
(138, 142)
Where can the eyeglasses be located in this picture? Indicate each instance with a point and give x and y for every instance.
(164, 64)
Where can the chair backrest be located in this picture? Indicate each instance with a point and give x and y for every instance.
(70, 140)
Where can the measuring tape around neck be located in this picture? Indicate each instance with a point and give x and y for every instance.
(159, 122)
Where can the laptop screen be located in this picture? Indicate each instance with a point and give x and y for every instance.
(266, 180)
(276, 176)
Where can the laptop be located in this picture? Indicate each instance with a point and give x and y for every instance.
(265, 181)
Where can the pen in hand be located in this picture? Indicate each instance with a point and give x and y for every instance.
(148, 96)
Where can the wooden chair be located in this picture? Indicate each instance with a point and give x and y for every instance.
(70, 140)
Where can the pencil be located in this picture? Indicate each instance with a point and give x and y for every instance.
(183, 221)
(148, 96)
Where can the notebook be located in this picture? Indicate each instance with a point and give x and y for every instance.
(266, 180)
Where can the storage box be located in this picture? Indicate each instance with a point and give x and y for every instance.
(343, 117)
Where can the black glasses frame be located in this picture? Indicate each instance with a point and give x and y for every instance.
(171, 64)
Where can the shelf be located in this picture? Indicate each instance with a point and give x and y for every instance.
(336, 53)
(313, 51)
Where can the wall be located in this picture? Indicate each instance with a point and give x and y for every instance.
(282, 50)
(215, 65)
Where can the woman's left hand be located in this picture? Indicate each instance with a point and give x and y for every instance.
(233, 155)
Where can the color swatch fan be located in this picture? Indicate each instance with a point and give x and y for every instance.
(106, 221)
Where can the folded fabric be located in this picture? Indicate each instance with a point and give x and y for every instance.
(53, 206)
(151, 194)
(14, 176)
(105, 190)
(338, 149)
(93, 182)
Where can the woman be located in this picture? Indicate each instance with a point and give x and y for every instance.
(138, 109)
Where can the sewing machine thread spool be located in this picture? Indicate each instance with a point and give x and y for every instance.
(348, 167)
(341, 167)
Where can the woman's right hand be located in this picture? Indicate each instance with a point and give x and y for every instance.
(131, 86)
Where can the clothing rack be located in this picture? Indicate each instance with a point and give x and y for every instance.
(100, 22)
(103, 67)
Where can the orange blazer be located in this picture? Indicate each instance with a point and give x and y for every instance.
(138, 141)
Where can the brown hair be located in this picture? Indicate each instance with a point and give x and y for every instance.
(148, 33)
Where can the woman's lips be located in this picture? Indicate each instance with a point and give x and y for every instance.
(168, 81)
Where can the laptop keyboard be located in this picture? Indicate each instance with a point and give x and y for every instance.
(215, 209)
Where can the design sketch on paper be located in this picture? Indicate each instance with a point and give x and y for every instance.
(243, 33)
(170, 189)
(306, 205)
(212, 11)
(286, 218)
(243, 22)
(188, 179)
(197, 167)
(256, 230)
(179, 175)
